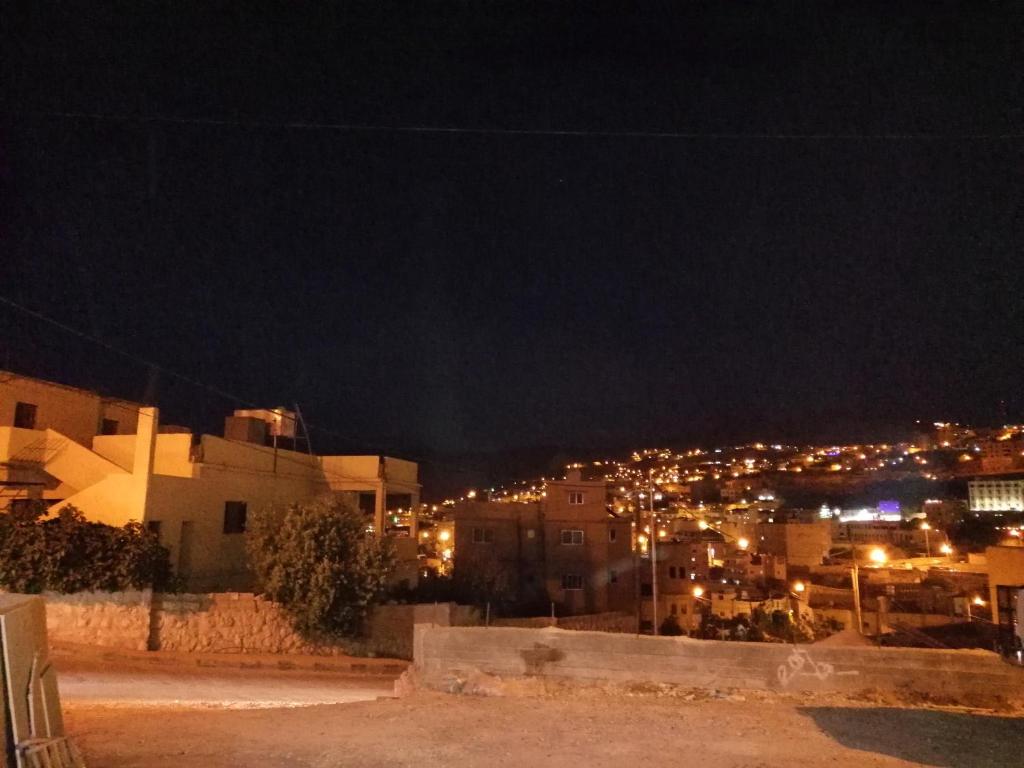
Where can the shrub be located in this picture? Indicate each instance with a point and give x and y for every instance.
(670, 627)
(318, 561)
(68, 553)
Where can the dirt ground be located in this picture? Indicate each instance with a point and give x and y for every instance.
(432, 729)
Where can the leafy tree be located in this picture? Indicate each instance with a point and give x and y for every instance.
(68, 553)
(319, 562)
(483, 579)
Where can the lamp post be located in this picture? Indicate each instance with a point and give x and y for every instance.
(654, 558)
(927, 544)
(855, 579)
(878, 557)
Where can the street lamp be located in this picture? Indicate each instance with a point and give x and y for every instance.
(743, 543)
(799, 586)
(946, 549)
(927, 545)
(877, 556)
(698, 591)
(976, 601)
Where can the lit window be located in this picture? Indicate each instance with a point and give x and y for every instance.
(575, 497)
(572, 536)
(572, 581)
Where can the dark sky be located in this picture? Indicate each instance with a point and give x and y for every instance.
(832, 247)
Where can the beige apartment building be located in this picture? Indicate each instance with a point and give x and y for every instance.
(569, 549)
(109, 459)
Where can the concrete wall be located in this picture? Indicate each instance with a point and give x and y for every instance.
(614, 621)
(444, 653)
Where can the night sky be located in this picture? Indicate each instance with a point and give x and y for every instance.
(823, 240)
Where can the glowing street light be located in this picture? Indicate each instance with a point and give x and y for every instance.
(698, 591)
(703, 525)
(946, 549)
(444, 535)
(743, 543)
(877, 556)
(977, 600)
(799, 586)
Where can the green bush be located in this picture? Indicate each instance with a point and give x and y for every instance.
(68, 553)
(318, 561)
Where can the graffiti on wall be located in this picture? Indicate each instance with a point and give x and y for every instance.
(800, 664)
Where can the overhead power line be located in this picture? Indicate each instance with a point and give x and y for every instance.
(157, 366)
(302, 125)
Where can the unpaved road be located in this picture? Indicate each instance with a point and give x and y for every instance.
(227, 688)
(429, 730)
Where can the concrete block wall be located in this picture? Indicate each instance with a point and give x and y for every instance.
(104, 619)
(613, 621)
(444, 653)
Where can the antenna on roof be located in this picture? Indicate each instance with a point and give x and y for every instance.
(300, 424)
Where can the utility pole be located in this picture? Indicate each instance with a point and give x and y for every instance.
(855, 575)
(637, 531)
(654, 558)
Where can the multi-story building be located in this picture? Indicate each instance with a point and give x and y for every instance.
(803, 545)
(996, 494)
(195, 492)
(1006, 591)
(1004, 453)
(943, 513)
(914, 539)
(569, 549)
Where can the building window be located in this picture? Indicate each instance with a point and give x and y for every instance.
(483, 535)
(108, 427)
(673, 609)
(234, 516)
(671, 571)
(613, 577)
(572, 581)
(153, 526)
(613, 534)
(682, 572)
(575, 497)
(25, 415)
(572, 536)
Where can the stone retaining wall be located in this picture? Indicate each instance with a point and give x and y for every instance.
(444, 654)
(105, 619)
(229, 622)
